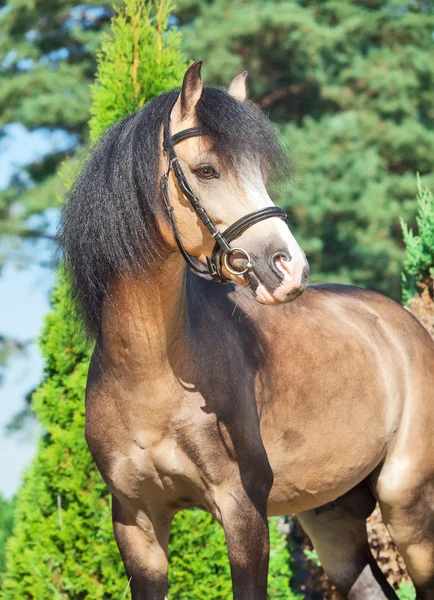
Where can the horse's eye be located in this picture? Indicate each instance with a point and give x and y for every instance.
(206, 172)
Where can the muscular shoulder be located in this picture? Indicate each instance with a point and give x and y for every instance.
(362, 306)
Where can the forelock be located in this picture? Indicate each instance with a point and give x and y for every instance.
(239, 130)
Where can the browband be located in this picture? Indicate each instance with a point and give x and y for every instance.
(187, 133)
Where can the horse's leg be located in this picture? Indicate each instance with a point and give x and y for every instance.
(409, 517)
(338, 533)
(143, 547)
(246, 528)
(241, 508)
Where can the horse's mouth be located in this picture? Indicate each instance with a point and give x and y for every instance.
(264, 296)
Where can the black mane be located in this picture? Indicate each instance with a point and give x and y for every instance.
(108, 224)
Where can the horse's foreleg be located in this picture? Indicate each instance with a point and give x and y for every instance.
(338, 533)
(143, 547)
(246, 528)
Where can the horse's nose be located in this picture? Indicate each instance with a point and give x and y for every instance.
(279, 268)
(292, 271)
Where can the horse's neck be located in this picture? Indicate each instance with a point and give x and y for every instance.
(144, 320)
(168, 325)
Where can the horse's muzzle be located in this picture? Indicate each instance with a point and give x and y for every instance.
(282, 278)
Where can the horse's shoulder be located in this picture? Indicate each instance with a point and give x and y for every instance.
(361, 305)
(352, 294)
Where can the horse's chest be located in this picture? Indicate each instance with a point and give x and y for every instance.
(155, 469)
(170, 462)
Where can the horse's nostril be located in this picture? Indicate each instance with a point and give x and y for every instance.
(275, 262)
(283, 255)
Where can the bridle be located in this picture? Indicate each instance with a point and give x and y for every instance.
(222, 250)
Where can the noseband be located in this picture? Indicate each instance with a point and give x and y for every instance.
(222, 250)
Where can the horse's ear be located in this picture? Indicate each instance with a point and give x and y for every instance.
(190, 93)
(238, 88)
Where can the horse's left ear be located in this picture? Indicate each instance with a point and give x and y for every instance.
(238, 88)
(190, 94)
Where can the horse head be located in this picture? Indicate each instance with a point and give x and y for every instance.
(216, 182)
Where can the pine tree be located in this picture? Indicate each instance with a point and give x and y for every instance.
(47, 62)
(154, 64)
(63, 546)
(47, 52)
(418, 276)
(351, 85)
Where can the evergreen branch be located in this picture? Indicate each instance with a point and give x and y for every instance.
(159, 30)
(48, 583)
(269, 99)
(135, 27)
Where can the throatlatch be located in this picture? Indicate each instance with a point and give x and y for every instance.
(222, 250)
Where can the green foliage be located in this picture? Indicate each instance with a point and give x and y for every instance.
(139, 57)
(6, 522)
(48, 62)
(350, 85)
(199, 566)
(419, 261)
(313, 556)
(63, 546)
(281, 566)
(406, 591)
(62, 503)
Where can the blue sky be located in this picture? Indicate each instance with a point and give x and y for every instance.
(24, 300)
(23, 303)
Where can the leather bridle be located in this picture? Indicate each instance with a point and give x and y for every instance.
(222, 250)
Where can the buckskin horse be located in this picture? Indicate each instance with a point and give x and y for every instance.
(229, 397)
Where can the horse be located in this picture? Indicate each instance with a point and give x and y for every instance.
(220, 379)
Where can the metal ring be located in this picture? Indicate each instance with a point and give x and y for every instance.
(247, 265)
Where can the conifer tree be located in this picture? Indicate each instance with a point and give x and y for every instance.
(47, 62)
(351, 85)
(63, 546)
(418, 276)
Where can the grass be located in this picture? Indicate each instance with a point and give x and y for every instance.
(124, 595)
